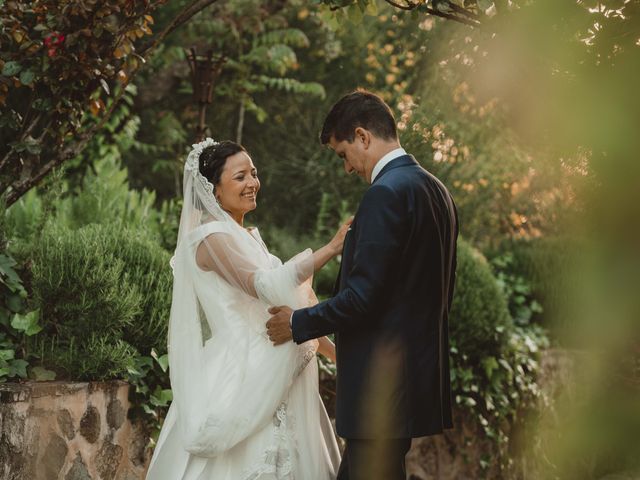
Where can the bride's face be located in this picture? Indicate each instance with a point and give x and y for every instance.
(238, 187)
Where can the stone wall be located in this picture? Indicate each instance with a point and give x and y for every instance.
(69, 431)
(80, 431)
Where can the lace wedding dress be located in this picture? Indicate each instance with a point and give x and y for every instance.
(242, 408)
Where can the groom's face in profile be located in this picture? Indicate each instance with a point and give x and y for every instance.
(353, 155)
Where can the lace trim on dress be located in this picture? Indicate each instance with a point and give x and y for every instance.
(306, 358)
(276, 460)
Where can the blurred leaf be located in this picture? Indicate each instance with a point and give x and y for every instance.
(489, 364)
(26, 77)
(7, 354)
(42, 374)
(19, 368)
(27, 323)
(11, 68)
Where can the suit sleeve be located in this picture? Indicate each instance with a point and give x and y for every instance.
(380, 232)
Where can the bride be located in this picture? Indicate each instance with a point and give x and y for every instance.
(242, 409)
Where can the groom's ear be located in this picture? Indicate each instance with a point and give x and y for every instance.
(364, 136)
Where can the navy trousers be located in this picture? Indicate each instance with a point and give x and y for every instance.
(374, 460)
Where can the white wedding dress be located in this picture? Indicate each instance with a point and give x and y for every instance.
(242, 409)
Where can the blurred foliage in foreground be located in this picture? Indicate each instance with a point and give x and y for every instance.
(530, 120)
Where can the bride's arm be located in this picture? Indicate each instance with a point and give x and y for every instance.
(276, 285)
(331, 249)
(222, 253)
(327, 348)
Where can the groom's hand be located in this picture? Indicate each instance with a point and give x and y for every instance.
(278, 326)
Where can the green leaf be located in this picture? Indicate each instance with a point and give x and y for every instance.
(19, 368)
(14, 301)
(42, 374)
(11, 68)
(489, 364)
(161, 397)
(144, 361)
(27, 77)
(164, 362)
(355, 14)
(148, 410)
(4, 317)
(42, 104)
(6, 270)
(27, 323)
(7, 354)
(372, 8)
(535, 307)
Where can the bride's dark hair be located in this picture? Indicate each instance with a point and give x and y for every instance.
(213, 158)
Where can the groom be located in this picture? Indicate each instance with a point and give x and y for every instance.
(391, 305)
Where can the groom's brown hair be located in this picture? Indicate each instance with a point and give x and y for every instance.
(359, 109)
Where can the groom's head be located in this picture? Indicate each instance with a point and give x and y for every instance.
(361, 129)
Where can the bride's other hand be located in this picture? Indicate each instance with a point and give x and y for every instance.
(333, 248)
(327, 349)
(337, 241)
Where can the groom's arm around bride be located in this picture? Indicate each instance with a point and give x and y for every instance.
(391, 306)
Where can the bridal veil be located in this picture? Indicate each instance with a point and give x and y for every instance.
(229, 382)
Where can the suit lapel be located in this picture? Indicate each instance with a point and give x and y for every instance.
(336, 286)
(402, 161)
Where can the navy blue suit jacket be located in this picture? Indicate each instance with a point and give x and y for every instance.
(390, 309)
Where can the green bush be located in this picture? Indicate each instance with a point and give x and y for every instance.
(80, 285)
(104, 294)
(24, 216)
(494, 363)
(95, 357)
(479, 320)
(546, 264)
(147, 267)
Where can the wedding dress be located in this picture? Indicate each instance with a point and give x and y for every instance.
(242, 409)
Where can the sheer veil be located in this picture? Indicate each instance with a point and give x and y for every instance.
(227, 379)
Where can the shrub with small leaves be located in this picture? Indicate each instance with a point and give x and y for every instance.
(80, 285)
(105, 293)
(494, 362)
(96, 357)
(479, 320)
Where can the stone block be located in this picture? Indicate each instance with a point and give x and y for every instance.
(40, 423)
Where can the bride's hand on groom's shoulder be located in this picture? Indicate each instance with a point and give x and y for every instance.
(337, 241)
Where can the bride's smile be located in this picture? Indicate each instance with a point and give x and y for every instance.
(237, 189)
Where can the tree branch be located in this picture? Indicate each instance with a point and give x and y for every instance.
(412, 6)
(26, 132)
(188, 12)
(18, 188)
(449, 16)
(463, 11)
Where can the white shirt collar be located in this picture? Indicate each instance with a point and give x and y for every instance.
(392, 155)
